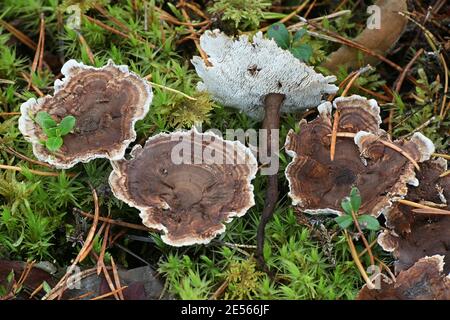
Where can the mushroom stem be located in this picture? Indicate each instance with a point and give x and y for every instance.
(271, 122)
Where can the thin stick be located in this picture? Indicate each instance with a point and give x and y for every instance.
(9, 114)
(358, 263)
(88, 49)
(171, 90)
(289, 16)
(39, 288)
(444, 174)
(84, 295)
(334, 135)
(116, 278)
(106, 27)
(399, 83)
(423, 208)
(36, 172)
(114, 292)
(90, 237)
(23, 157)
(387, 144)
(19, 35)
(41, 51)
(103, 249)
(441, 155)
(28, 79)
(354, 77)
(112, 221)
(110, 283)
(193, 32)
(298, 25)
(363, 238)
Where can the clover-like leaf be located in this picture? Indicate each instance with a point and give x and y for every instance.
(66, 125)
(355, 199)
(344, 221)
(302, 52)
(280, 34)
(54, 143)
(368, 222)
(299, 34)
(45, 120)
(347, 205)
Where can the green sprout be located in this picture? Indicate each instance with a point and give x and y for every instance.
(284, 40)
(53, 130)
(351, 206)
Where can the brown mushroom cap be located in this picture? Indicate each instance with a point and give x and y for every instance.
(106, 103)
(317, 184)
(188, 201)
(423, 281)
(415, 235)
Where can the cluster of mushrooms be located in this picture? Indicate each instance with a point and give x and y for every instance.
(191, 202)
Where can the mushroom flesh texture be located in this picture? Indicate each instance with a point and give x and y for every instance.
(106, 103)
(189, 199)
(262, 80)
(425, 280)
(317, 184)
(415, 235)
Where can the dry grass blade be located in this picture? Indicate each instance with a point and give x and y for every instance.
(88, 49)
(84, 295)
(112, 221)
(109, 281)
(444, 174)
(9, 114)
(106, 27)
(423, 208)
(441, 155)
(100, 261)
(116, 278)
(28, 79)
(90, 237)
(358, 263)
(106, 295)
(387, 144)
(58, 290)
(23, 157)
(19, 35)
(36, 172)
(334, 135)
(37, 290)
(289, 16)
(170, 89)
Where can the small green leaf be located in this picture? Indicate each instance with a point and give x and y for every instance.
(45, 120)
(280, 34)
(368, 222)
(54, 143)
(302, 52)
(51, 132)
(344, 221)
(346, 205)
(66, 125)
(355, 199)
(10, 277)
(299, 34)
(46, 287)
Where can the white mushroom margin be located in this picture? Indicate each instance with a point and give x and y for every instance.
(31, 107)
(117, 182)
(244, 72)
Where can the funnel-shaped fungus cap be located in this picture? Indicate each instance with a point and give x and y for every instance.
(318, 184)
(187, 184)
(423, 281)
(244, 72)
(106, 102)
(415, 235)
